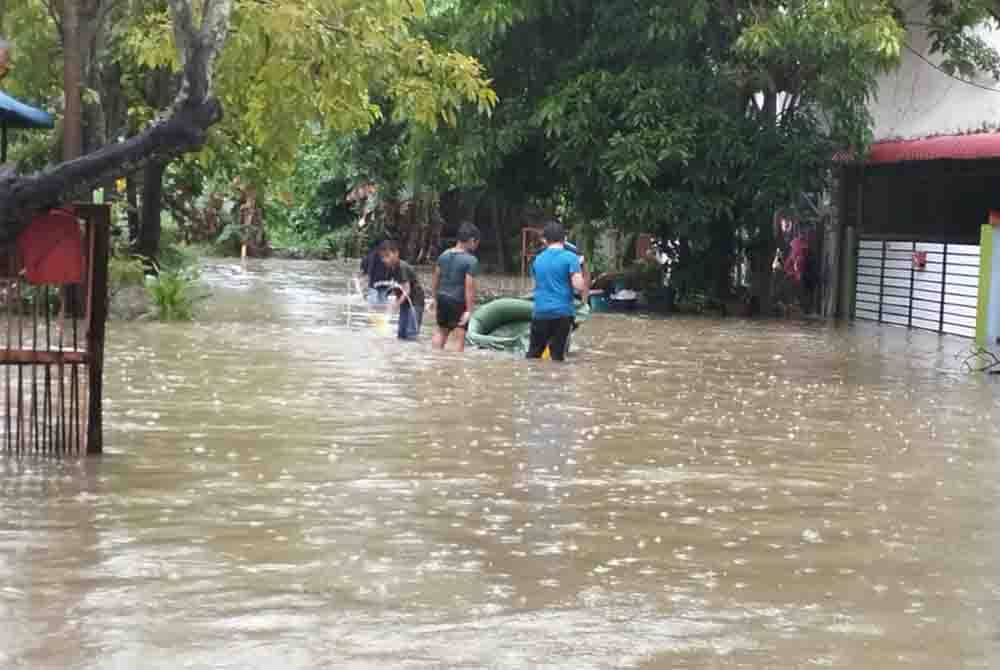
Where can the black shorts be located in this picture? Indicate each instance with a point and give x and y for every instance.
(449, 313)
(550, 333)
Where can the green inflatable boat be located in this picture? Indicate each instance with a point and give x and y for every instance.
(505, 324)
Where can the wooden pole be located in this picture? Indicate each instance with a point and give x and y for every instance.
(99, 219)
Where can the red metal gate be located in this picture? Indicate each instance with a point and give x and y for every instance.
(52, 357)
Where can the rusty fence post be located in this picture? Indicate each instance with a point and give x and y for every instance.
(99, 221)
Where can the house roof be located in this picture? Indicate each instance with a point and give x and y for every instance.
(975, 146)
(16, 114)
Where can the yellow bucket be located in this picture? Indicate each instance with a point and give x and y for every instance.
(380, 322)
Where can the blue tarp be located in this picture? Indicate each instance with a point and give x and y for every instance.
(16, 114)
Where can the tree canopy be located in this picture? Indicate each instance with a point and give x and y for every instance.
(291, 68)
(694, 120)
(283, 69)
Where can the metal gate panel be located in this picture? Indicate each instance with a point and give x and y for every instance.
(961, 290)
(867, 300)
(942, 297)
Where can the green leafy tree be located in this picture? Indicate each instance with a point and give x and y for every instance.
(697, 121)
(292, 68)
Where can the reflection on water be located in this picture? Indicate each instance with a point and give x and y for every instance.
(288, 488)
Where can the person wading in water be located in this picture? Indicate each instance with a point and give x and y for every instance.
(454, 287)
(408, 294)
(377, 274)
(557, 274)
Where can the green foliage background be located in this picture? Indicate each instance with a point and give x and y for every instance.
(694, 121)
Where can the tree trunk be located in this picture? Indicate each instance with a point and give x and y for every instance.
(132, 197)
(761, 280)
(722, 255)
(763, 256)
(152, 208)
(434, 238)
(90, 39)
(252, 224)
(114, 102)
(194, 111)
(830, 260)
(72, 76)
(498, 228)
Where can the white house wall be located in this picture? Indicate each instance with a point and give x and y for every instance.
(917, 100)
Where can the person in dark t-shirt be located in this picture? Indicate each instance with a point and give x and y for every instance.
(377, 274)
(408, 294)
(455, 287)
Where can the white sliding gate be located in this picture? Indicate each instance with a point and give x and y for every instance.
(926, 285)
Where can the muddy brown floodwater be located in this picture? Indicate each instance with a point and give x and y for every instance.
(287, 488)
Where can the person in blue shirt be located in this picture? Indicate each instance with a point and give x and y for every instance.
(557, 273)
(583, 270)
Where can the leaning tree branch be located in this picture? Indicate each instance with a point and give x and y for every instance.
(21, 197)
(183, 130)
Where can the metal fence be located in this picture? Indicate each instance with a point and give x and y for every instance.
(52, 355)
(927, 285)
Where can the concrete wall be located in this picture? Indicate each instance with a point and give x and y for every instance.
(919, 101)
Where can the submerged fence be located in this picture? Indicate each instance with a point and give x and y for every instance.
(52, 335)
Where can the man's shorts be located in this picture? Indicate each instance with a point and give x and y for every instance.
(551, 334)
(449, 313)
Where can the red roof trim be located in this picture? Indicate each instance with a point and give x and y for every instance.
(945, 147)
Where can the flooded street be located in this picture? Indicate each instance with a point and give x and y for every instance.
(288, 488)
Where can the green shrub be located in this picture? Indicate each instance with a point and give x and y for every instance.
(343, 242)
(648, 276)
(598, 263)
(39, 299)
(178, 258)
(125, 270)
(175, 294)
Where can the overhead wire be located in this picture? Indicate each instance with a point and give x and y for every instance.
(940, 69)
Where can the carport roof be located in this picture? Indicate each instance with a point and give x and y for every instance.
(975, 146)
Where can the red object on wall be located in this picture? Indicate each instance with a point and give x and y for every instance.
(643, 245)
(920, 260)
(798, 254)
(52, 248)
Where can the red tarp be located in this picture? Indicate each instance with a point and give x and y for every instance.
(52, 248)
(946, 147)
